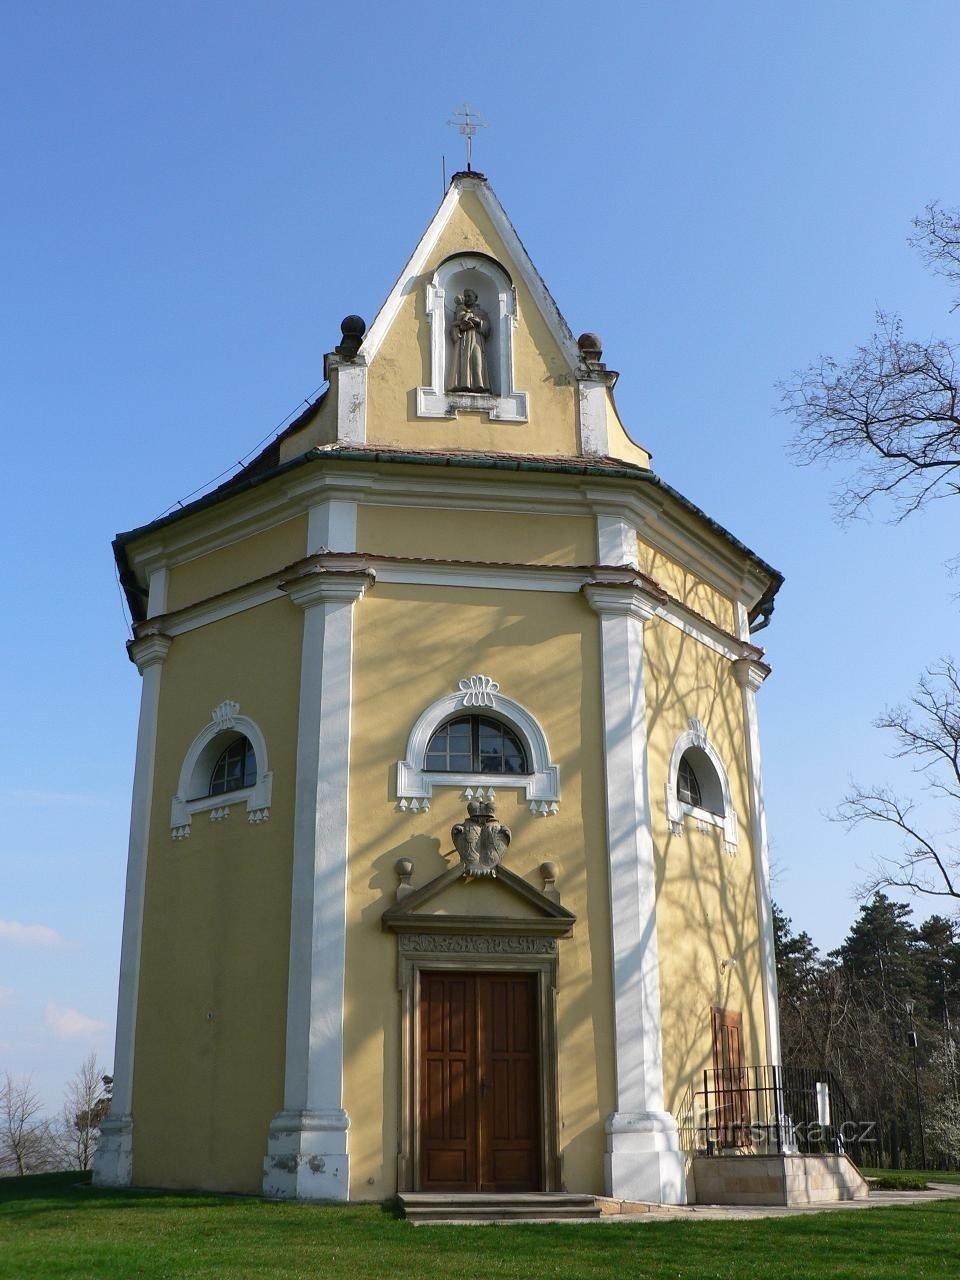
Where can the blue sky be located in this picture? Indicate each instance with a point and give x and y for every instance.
(196, 193)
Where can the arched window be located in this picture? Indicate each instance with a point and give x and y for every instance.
(225, 766)
(697, 787)
(235, 769)
(476, 744)
(453, 745)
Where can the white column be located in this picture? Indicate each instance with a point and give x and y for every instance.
(749, 676)
(642, 1160)
(307, 1156)
(113, 1162)
(332, 526)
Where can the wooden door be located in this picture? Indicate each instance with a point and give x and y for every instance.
(480, 1110)
(732, 1098)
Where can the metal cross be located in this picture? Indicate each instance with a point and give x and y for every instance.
(467, 122)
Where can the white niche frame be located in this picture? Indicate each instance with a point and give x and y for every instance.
(678, 810)
(498, 296)
(198, 763)
(415, 782)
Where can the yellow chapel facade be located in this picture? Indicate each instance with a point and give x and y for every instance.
(448, 858)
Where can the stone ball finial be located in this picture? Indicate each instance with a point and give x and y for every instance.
(591, 346)
(403, 867)
(353, 328)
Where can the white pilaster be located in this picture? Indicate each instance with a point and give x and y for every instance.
(113, 1162)
(749, 676)
(593, 417)
(307, 1156)
(332, 526)
(616, 541)
(642, 1159)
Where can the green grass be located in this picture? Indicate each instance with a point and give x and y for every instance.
(907, 1179)
(55, 1227)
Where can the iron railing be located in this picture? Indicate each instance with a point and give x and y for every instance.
(765, 1109)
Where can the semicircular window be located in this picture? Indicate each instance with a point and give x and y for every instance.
(688, 785)
(475, 744)
(235, 769)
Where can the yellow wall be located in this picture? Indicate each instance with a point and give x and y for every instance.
(688, 587)
(216, 922)
(706, 904)
(239, 563)
(412, 645)
(497, 536)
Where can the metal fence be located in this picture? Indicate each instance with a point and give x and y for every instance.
(766, 1109)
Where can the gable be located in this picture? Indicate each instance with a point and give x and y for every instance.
(454, 902)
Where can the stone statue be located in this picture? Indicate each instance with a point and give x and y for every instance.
(470, 330)
(481, 841)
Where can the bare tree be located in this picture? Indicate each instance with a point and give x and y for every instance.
(927, 730)
(891, 411)
(86, 1104)
(24, 1130)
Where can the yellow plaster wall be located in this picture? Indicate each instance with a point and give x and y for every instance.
(239, 563)
(208, 1071)
(619, 443)
(706, 904)
(498, 536)
(403, 363)
(687, 586)
(412, 645)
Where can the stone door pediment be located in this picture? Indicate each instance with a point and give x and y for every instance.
(454, 902)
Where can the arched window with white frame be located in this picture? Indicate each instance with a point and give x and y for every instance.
(481, 740)
(225, 767)
(698, 788)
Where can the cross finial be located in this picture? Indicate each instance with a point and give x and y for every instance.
(467, 122)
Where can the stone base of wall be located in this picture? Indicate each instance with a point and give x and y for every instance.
(772, 1179)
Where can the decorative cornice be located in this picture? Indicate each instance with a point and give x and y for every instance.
(148, 650)
(328, 586)
(622, 592)
(748, 673)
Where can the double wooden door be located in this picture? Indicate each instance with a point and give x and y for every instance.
(480, 1106)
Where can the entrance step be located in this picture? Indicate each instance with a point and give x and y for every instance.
(531, 1206)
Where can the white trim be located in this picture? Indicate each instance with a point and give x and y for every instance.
(351, 392)
(436, 401)
(677, 810)
(113, 1162)
(192, 796)
(749, 676)
(482, 577)
(332, 526)
(307, 1154)
(592, 407)
(616, 541)
(157, 596)
(659, 520)
(415, 783)
(514, 252)
(642, 1158)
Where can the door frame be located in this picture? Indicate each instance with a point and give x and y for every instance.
(476, 953)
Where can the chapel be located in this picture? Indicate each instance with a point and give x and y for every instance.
(448, 858)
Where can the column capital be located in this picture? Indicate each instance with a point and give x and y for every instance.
(328, 586)
(147, 650)
(749, 673)
(621, 592)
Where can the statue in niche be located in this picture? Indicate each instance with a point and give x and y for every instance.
(481, 840)
(470, 330)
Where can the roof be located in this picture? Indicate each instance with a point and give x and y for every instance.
(266, 467)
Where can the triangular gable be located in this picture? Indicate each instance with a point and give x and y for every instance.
(529, 910)
(410, 277)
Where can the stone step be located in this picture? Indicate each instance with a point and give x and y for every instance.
(423, 1207)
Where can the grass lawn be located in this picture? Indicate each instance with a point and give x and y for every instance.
(51, 1226)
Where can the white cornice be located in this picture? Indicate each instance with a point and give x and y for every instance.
(660, 522)
(347, 576)
(149, 649)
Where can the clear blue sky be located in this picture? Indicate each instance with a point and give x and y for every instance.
(195, 194)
